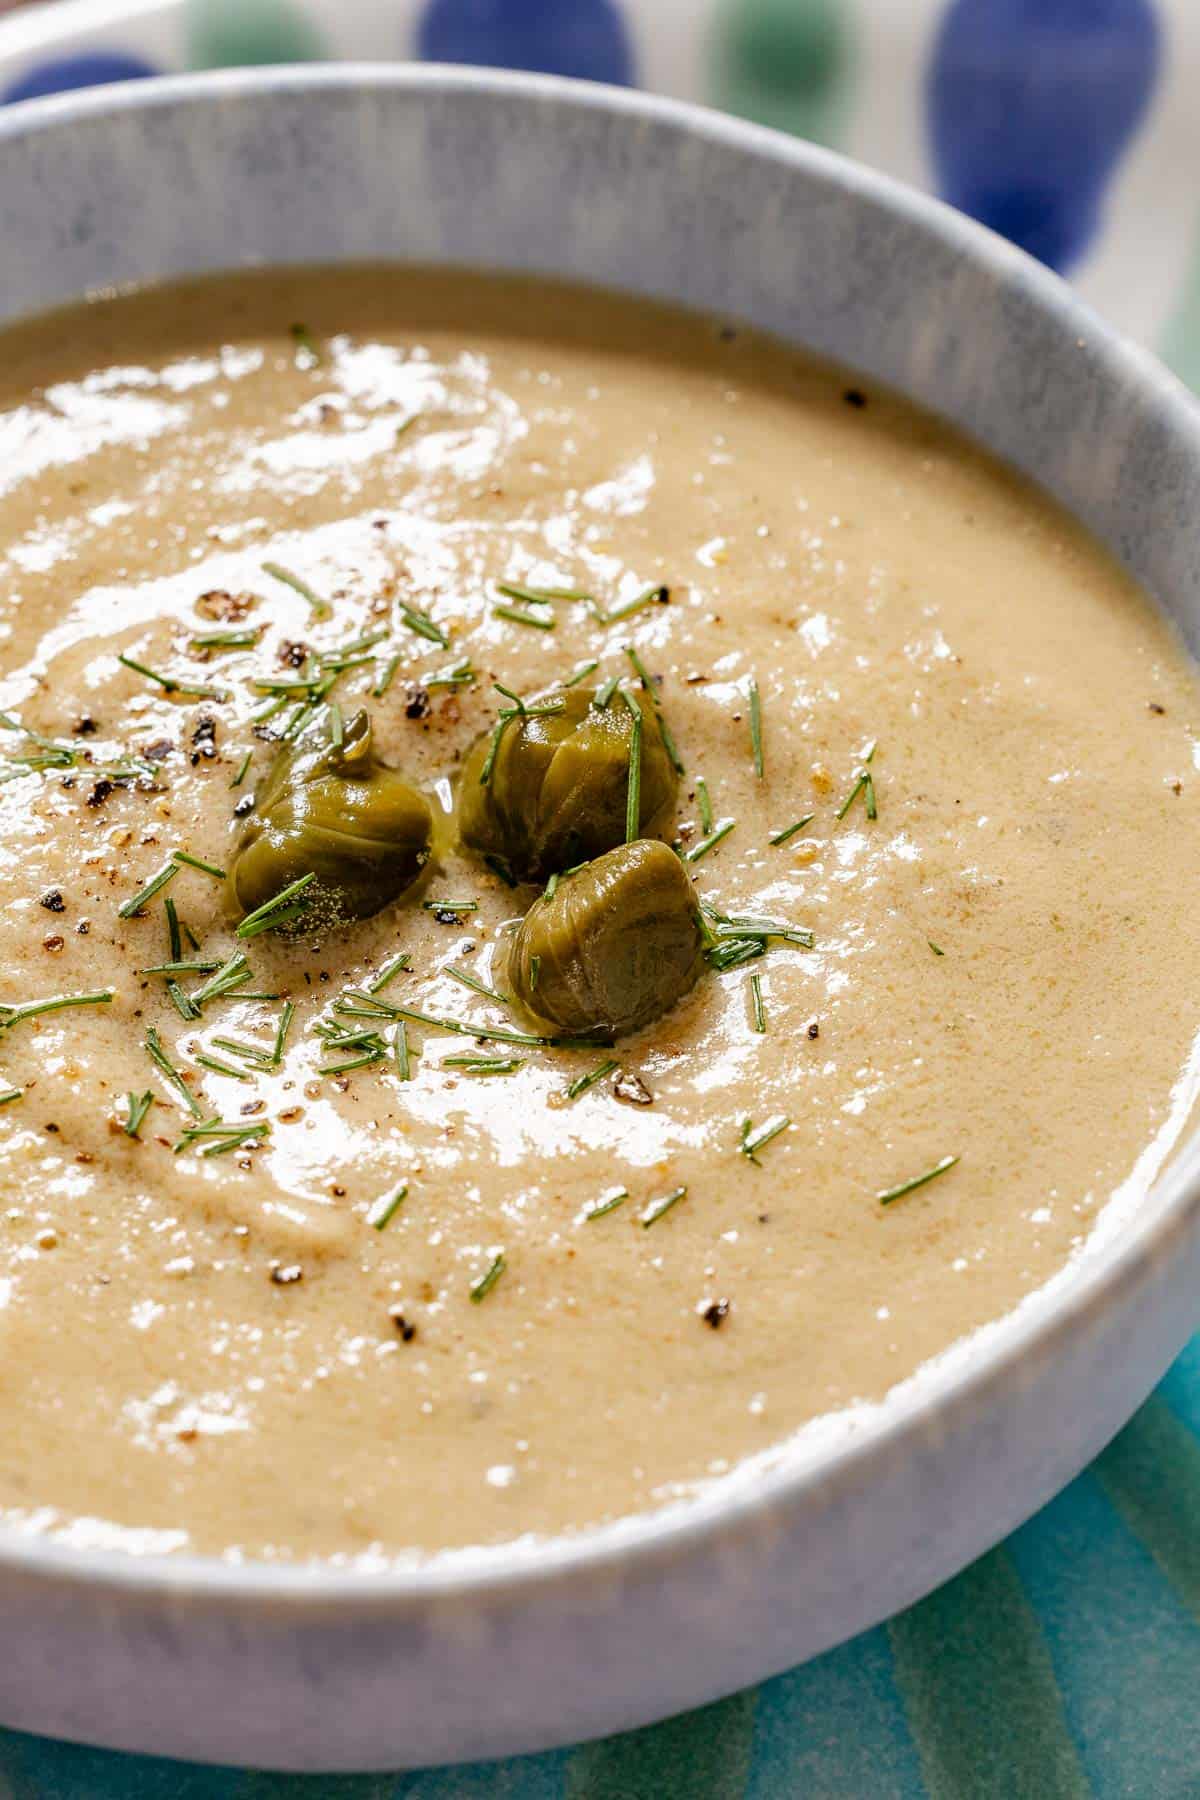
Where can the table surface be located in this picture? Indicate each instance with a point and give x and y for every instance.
(1067, 1661)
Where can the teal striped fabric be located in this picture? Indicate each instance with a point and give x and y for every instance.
(1061, 1666)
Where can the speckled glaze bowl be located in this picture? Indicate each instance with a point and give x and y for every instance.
(511, 1649)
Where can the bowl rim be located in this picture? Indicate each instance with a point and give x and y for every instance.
(1169, 1209)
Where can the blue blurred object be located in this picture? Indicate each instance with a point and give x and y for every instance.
(1031, 104)
(555, 37)
(62, 73)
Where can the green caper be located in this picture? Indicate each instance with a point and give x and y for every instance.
(611, 946)
(338, 812)
(556, 788)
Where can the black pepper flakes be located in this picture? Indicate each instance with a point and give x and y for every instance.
(416, 705)
(1156, 706)
(244, 806)
(85, 727)
(444, 916)
(284, 1275)
(99, 793)
(715, 1313)
(855, 397)
(53, 901)
(204, 739)
(293, 654)
(814, 1029)
(407, 1332)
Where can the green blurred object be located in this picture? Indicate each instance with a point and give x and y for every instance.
(223, 34)
(782, 63)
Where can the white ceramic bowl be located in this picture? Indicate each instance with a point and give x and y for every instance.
(536, 1644)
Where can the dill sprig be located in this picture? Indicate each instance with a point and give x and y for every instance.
(633, 792)
(320, 609)
(8, 1095)
(758, 1010)
(386, 678)
(582, 1083)
(456, 676)
(155, 885)
(754, 1141)
(285, 906)
(450, 906)
(789, 831)
(467, 980)
(194, 862)
(400, 1051)
(243, 766)
(482, 1288)
(520, 615)
(936, 948)
(218, 1136)
(658, 1209)
(485, 1033)
(657, 591)
(243, 639)
(580, 673)
(137, 1105)
(423, 625)
(864, 784)
(705, 804)
(756, 732)
(234, 973)
(383, 1211)
(30, 1009)
(606, 1204)
(483, 1065)
(710, 842)
(664, 730)
(399, 965)
(886, 1196)
(171, 684)
(158, 1056)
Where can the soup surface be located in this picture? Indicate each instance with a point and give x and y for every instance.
(263, 1350)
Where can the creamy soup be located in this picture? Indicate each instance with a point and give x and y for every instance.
(286, 1272)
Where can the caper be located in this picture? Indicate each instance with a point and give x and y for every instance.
(336, 811)
(610, 946)
(556, 788)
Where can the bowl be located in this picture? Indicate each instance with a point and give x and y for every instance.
(523, 1646)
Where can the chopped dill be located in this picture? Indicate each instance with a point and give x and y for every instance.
(483, 1287)
(633, 792)
(581, 1083)
(467, 980)
(384, 1210)
(789, 831)
(756, 733)
(658, 1209)
(137, 1105)
(710, 842)
(155, 885)
(423, 625)
(607, 1203)
(886, 1196)
(153, 1046)
(754, 1141)
(281, 909)
(321, 609)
